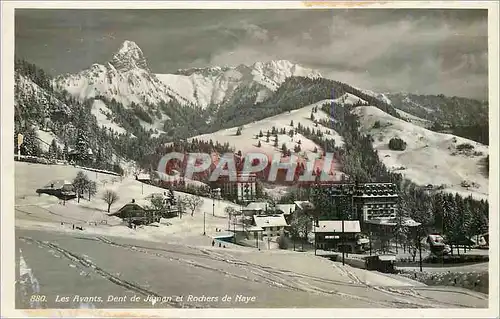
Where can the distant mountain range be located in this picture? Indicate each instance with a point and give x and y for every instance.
(129, 112)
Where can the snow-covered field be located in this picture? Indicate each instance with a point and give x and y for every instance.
(247, 142)
(414, 119)
(429, 157)
(175, 259)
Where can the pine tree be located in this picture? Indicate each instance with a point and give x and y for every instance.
(291, 123)
(53, 150)
(259, 144)
(82, 146)
(284, 148)
(65, 151)
(31, 144)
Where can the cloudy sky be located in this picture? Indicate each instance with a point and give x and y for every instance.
(385, 50)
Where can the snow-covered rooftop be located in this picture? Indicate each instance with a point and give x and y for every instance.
(270, 221)
(262, 206)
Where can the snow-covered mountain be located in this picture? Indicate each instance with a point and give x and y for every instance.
(216, 85)
(128, 79)
(125, 78)
(211, 103)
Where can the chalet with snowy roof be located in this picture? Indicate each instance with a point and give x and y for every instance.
(271, 225)
(59, 188)
(329, 234)
(256, 208)
(138, 212)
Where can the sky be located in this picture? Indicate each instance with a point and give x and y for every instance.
(422, 51)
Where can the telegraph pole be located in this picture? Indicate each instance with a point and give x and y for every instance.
(419, 248)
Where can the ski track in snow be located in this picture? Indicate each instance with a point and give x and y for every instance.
(89, 265)
(278, 278)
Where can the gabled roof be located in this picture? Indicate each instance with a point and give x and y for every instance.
(57, 184)
(270, 221)
(257, 206)
(139, 205)
(286, 208)
(335, 226)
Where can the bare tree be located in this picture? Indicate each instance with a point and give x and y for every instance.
(193, 203)
(110, 197)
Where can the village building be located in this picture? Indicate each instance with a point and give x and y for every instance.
(59, 188)
(271, 225)
(243, 188)
(287, 210)
(375, 201)
(137, 213)
(329, 235)
(256, 208)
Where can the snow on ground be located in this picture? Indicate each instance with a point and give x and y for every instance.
(47, 211)
(99, 110)
(274, 279)
(178, 248)
(247, 142)
(349, 99)
(414, 119)
(429, 157)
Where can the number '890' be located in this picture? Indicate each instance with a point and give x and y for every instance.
(38, 298)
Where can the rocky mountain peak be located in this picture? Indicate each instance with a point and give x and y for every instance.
(129, 57)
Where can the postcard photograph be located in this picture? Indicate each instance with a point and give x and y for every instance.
(251, 158)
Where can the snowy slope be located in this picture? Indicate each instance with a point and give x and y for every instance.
(381, 96)
(430, 157)
(101, 112)
(414, 119)
(247, 141)
(349, 99)
(25, 88)
(215, 85)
